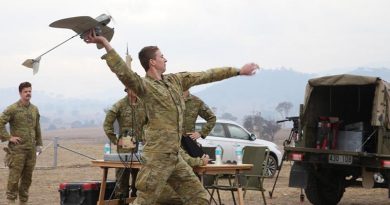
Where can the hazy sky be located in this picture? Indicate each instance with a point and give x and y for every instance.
(305, 35)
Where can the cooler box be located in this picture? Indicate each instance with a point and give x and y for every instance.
(350, 141)
(83, 193)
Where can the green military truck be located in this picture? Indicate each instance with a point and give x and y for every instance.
(343, 137)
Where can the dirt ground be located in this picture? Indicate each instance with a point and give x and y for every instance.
(72, 167)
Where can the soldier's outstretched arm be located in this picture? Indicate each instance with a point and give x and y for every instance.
(129, 78)
(189, 79)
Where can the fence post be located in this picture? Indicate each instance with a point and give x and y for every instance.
(55, 143)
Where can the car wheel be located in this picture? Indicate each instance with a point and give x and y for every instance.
(272, 166)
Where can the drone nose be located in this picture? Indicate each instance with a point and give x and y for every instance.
(104, 19)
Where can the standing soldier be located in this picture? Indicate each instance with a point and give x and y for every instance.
(196, 107)
(131, 116)
(162, 95)
(24, 142)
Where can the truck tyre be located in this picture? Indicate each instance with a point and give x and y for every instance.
(324, 188)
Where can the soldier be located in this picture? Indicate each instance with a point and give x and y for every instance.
(24, 141)
(162, 95)
(131, 116)
(196, 107)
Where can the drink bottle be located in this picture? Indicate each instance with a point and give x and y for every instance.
(238, 154)
(107, 148)
(218, 155)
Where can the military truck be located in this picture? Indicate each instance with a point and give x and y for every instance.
(343, 137)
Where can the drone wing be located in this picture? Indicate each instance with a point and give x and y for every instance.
(78, 24)
(81, 24)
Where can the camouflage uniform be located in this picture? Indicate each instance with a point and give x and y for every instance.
(168, 196)
(20, 158)
(165, 109)
(196, 107)
(129, 117)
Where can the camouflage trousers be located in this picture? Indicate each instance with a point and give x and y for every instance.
(122, 179)
(160, 169)
(168, 196)
(21, 165)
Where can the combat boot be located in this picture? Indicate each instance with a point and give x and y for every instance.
(22, 202)
(11, 202)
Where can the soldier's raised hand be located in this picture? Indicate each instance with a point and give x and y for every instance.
(249, 69)
(91, 37)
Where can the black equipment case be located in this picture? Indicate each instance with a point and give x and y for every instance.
(84, 193)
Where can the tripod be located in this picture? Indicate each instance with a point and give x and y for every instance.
(294, 136)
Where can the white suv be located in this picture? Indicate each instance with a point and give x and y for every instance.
(229, 134)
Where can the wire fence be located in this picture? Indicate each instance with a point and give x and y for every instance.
(64, 154)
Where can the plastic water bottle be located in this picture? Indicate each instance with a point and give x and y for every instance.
(238, 154)
(107, 148)
(218, 155)
(140, 148)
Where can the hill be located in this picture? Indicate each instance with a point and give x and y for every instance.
(239, 96)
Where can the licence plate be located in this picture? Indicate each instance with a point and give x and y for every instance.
(339, 159)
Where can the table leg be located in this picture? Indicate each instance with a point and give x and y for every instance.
(240, 196)
(239, 188)
(103, 187)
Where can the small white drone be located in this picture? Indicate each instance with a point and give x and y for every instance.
(81, 25)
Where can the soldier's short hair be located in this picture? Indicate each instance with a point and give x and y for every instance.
(24, 85)
(147, 53)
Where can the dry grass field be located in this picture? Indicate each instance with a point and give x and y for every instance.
(89, 141)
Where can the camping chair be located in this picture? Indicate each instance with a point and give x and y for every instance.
(254, 178)
(209, 180)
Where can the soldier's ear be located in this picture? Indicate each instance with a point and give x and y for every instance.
(152, 62)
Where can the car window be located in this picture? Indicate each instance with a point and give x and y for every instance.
(218, 131)
(237, 132)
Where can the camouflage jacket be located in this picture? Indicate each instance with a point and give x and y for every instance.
(192, 161)
(196, 107)
(24, 123)
(163, 100)
(131, 117)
